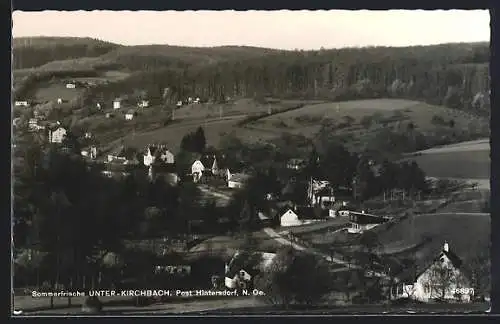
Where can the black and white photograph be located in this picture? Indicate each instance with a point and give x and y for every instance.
(229, 163)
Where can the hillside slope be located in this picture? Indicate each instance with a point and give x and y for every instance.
(30, 52)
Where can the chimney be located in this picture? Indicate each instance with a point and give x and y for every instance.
(446, 247)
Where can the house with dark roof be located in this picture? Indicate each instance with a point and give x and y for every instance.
(296, 164)
(361, 221)
(130, 114)
(438, 277)
(301, 215)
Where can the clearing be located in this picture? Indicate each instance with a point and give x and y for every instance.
(53, 91)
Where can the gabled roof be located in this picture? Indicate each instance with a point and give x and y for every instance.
(306, 212)
(364, 219)
(426, 260)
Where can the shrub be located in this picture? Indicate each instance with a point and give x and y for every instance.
(92, 305)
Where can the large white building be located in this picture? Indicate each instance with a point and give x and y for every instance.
(197, 169)
(441, 279)
(57, 135)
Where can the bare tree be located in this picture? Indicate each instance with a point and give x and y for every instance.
(443, 279)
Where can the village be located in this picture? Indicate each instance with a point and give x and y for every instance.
(302, 202)
(203, 172)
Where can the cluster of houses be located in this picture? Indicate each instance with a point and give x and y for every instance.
(422, 282)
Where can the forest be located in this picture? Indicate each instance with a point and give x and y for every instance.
(453, 75)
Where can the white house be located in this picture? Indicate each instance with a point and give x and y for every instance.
(90, 152)
(360, 221)
(98, 106)
(130, 114)
(155, 152)
(56, 135)
(290, 218)
(237, 180)
(197, 100)
(117, 103)
(70, 86)
(243, 267)
(33, 124)
(143, 104)
(59, 101)
(442, 278)
(179, 103)
(21, 104)
(197, 169)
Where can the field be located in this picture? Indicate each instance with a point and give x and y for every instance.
(306, 120)
(464, 165)
(51, 92)
(440, 227)
(466, 160)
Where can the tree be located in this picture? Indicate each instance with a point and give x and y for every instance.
(443, 279)
(478, 269)
(199, 140)
(365, 180)
(153, 221)
(295, 277)
(187, 209)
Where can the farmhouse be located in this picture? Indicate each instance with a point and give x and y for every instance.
(90, 152)
(360, 221)
(117, 103)
(289, 218)
(296, 164)
(21, 104)
(33, 124)
(57, 133)
(158, 153)
(440, 278)
(130, 114)
(143, 104)
(197, 169)
(236, 180)
(243, 267)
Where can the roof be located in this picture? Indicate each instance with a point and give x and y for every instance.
(262, 216)
(363, 218)
(426, 260)
(130, 112)
(306, 212)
